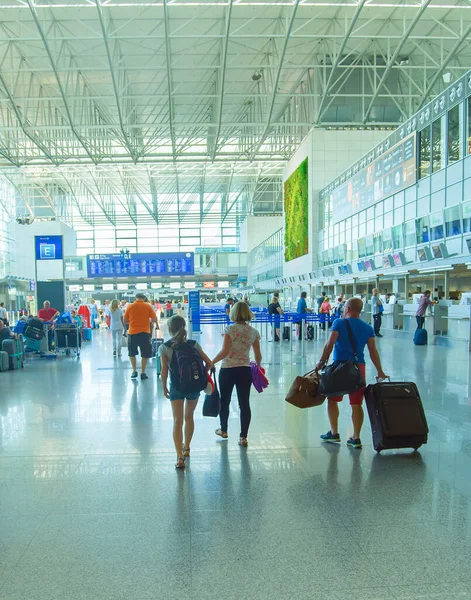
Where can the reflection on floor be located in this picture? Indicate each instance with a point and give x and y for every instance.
(91, 506)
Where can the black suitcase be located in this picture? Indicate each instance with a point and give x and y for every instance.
(396, 414)
(286, 333)
(34, 333)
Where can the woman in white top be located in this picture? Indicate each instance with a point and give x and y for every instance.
(235, 369)
(117, 326)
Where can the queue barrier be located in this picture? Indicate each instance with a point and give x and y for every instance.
(218, 317)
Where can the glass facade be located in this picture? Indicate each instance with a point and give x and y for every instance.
(7, 212)
(266, 259)
(434, 209)
(170, 237)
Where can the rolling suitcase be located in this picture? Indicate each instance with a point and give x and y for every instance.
(34, 333)
(420, 337)
(396, 414)
(4, 361)
(87, 334)
(310, 332)
(156, 343)
(32, 345)
(15, 353)
(286, 333)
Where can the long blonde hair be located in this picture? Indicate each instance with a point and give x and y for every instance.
(114, 305)
(177, 329)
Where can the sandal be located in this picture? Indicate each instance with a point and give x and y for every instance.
(243, 442)
(186, 452)
(221, 433)
(180, 463)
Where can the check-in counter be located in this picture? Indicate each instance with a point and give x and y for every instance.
(440, 314)
(459, 322)
(387, 322)
(398, 314)
(366, 312)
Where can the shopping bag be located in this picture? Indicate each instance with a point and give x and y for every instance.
(212, 402)
(304, 391)
(259, 381)
(124, 341)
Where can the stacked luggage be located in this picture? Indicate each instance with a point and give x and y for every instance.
(15, 354)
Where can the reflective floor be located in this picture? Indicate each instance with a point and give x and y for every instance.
(91, 506)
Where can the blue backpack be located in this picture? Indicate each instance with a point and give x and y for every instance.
(187, 370)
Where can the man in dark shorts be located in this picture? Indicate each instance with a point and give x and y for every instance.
(139, 315)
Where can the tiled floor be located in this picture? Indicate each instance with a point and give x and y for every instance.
(91, 506)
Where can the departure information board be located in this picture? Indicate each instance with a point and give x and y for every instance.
(140, 265)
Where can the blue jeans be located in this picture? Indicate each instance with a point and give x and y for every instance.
(420, 321)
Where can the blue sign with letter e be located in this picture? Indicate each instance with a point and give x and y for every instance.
(48, 247)
(47, 251)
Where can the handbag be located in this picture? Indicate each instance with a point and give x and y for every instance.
(124, 341)
(212, 402)
(342, 376)
(381, 309)
(304, 391)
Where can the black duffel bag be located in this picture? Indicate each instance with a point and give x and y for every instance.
(342, 376)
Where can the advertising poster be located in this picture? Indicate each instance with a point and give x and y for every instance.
(296, 206)
(390, 173)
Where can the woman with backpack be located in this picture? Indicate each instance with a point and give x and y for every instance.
(187, 365)
(235, 370)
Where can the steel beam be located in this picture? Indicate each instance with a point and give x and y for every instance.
(277, 79)
(338, 58)
(168, 61)
(222, 78)
(113, 80)
(58, 80)
(444, 64)
(396, 52)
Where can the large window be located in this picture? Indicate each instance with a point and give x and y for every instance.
(438, 145)
(410, 238)
(421, 227)
(424, 153)
(436, 226)
(454, 134)
(387, 240)
(466, 208)
(398, 241)
(452, 221)
(469, 126)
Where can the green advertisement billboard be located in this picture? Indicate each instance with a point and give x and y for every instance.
(296, 205)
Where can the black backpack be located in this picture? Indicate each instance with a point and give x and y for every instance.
(187, 370)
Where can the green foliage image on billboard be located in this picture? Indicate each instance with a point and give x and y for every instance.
(296, 213)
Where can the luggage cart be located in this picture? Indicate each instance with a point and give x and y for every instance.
(67, 338)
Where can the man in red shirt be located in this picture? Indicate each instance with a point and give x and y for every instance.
(48, 314)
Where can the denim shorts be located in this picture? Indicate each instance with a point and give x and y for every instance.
(177, 395)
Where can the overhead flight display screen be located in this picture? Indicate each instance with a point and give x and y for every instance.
(140, 265)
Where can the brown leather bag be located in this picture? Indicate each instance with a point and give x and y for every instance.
(303, 392)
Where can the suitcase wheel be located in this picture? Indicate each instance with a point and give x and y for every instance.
(379, 449)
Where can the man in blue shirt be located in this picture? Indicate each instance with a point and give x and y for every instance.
(228, 307)
(302, 310)
(339, 342)
(376, 311)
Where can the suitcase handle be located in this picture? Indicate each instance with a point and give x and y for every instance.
(380, 379)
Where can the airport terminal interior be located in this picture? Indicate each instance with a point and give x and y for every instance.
(278, 159)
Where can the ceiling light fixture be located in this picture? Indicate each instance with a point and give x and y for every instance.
(256, 76)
